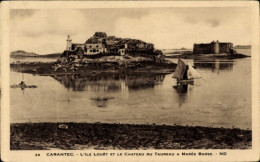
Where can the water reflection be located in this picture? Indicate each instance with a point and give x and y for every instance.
(135, 82)
(182, 91)
(216, 99)
(214, 65)
(109, 82)
(101, 102)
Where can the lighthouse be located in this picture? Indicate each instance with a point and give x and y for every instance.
(69, 43)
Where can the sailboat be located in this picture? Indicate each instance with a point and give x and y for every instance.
(22, 84)
(185, 73)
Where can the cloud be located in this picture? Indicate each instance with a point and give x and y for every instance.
(169, 29)
(21, 13)
(49, 22)
(214, 23)
(45, 31)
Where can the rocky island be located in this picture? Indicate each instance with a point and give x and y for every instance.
(102, 53)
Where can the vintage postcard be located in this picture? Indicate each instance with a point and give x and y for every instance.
(130, 81)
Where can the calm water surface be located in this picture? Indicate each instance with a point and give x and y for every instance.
(222, 98)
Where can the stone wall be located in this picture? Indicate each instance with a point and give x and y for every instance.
(225, 47)
(212, 48)
(202, 48)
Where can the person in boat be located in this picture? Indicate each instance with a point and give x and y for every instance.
(22, 84)
(185, 75)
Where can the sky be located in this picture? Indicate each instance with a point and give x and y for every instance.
(45, 31)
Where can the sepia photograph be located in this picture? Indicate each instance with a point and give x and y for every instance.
(156, 77)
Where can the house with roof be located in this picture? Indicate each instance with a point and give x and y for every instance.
(88, 48)
(95, 48)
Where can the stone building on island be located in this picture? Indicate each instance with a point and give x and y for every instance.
(89, 48)
(100, 43)
(214, 48)
(92, 49)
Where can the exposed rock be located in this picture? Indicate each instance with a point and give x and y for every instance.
(113, 44)
(45, 136)
(100, 34)
(77, 60)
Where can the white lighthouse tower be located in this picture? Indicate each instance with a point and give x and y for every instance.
(69, 43)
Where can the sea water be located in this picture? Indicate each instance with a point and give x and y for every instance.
(222, 98)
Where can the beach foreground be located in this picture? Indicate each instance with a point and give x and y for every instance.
(99, 136)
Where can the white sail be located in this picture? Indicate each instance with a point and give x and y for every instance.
(192, 73)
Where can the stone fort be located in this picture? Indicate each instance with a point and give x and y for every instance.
(213, 48)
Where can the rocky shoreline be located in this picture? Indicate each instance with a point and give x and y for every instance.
(105, 64)
(101, 136)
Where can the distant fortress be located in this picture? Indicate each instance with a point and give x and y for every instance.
(214, 48)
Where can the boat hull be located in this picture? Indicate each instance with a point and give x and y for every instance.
(184, 82)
